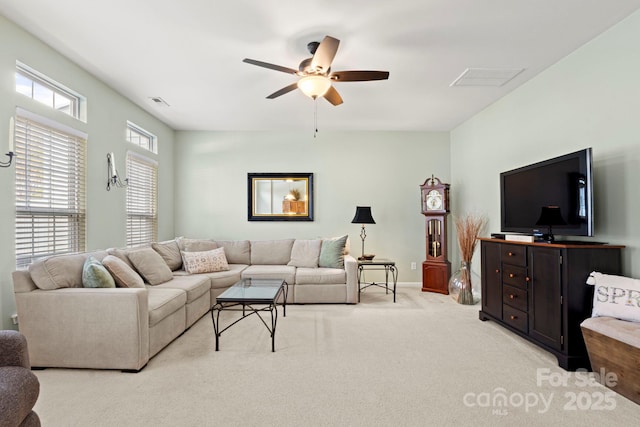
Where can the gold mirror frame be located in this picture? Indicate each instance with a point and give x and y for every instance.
(280, 196)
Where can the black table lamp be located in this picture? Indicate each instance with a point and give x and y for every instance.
(363, 216)
(550, 216)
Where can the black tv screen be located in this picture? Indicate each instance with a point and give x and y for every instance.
(565, 181)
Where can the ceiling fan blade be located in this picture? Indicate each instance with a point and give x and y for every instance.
(284, 90)
(323, 57)
(333, 96)
(358, 76)
(270, 66)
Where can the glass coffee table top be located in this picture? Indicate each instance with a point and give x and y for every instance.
(252, 290)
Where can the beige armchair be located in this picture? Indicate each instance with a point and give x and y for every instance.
(19, 387)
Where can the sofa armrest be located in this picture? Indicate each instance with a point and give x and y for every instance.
(351, 268)
(86, 328)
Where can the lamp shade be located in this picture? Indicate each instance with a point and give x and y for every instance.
(314, 86)
(363, 215)
(550, 215)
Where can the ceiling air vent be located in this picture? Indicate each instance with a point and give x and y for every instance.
(486, 76)
(159, 101)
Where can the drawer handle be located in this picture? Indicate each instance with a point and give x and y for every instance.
(511, 275)
(512, 296)
(526, 279)
(497, 270)
(512, 317)
(510, 253)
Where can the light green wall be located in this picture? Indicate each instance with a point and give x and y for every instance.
(378, 169)
(106, 122)
(589, 99)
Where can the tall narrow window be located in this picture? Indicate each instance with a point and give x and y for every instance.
(50, 189)
(142, 200)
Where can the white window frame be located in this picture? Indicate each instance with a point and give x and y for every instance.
(142, 138)
(77, 101)
(50, 185)
(142, 200)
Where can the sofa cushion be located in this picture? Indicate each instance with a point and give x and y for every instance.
(61, 271)
(305, 253)
(204, 262)
(271, 252)
(125, 276)
(615, 296)
(237, 251)
(95, 275)
(195, 245)
(332, 252)
(221, 279)
(284, 272)
(150, 265)
(194, 285)
(321, 276)
(163, 302)
(170, 253)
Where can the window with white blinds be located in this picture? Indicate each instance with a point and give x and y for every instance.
(142, 200)
(50, 191)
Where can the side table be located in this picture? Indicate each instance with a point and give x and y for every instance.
(378, 264)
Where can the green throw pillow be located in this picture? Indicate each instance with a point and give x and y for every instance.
(95, 275)
(332, 252)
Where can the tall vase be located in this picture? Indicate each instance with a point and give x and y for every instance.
(462, 287)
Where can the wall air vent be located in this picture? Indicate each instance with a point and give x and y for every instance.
(159, 101)
(486, 76)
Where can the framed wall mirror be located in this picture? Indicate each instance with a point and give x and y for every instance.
(280, 196)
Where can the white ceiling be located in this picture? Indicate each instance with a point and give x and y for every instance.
(190, 53)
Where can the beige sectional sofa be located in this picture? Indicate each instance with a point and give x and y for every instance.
(71, 326)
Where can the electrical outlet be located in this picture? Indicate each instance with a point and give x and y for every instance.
(413, 266)
(14, 319)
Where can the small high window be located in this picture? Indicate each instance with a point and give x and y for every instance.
(140, 137)
(37, 86)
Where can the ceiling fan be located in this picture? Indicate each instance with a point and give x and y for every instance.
(315, 73)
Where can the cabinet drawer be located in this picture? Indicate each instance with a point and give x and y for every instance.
(514, 276)
(515, 297)
(514, 318)
(514, 254)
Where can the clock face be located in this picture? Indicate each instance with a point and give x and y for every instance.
(434, 200)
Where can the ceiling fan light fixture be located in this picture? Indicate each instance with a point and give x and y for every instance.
(314, 86)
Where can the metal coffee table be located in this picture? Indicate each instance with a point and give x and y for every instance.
(248, 293)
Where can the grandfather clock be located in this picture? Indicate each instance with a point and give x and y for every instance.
(436, 269)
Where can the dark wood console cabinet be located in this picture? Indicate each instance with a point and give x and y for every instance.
(538, 291)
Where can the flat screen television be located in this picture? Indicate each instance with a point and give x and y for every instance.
(565, 181)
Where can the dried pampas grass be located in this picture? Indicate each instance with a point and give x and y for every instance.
(469, 228)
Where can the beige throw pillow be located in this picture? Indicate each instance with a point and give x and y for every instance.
(150, 265)
(170, 253)
(205, 261)
(305, 253)
(125, 276)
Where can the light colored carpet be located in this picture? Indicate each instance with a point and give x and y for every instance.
(423, 361)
